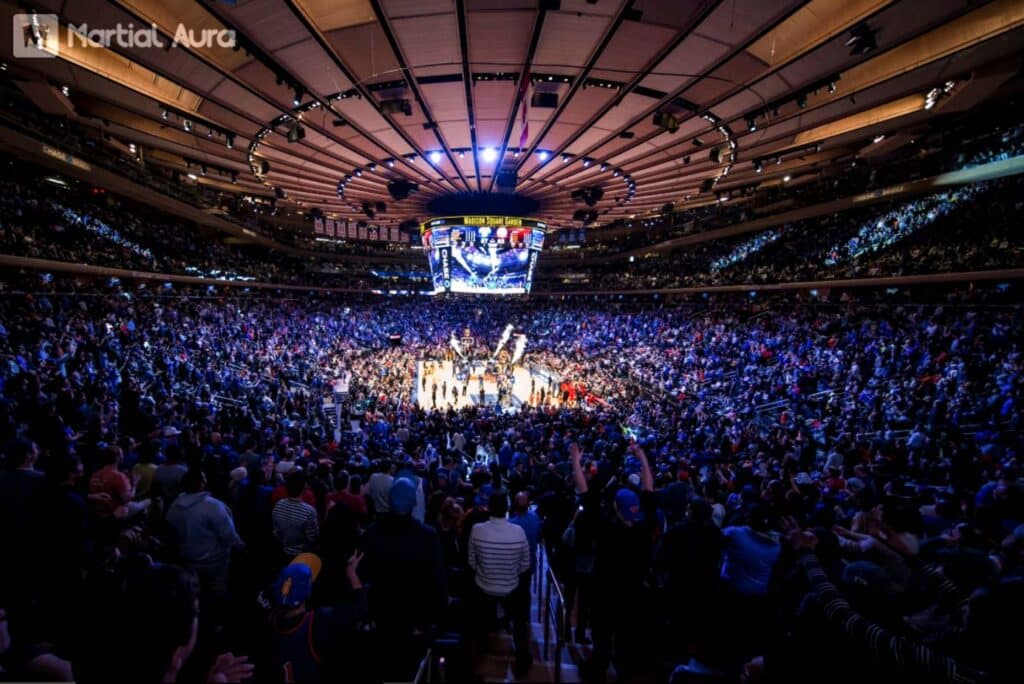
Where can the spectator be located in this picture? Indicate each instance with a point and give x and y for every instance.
(295, 523)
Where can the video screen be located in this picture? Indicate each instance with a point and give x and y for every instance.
(490, 255)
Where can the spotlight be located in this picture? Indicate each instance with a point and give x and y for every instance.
(751, 124)
(234, 178)
(878, 138)
(565, 159)
(296, 133)
(615, 173)
(758, 166)
(359, 172)
(462, 154)
(543, 155)
(65, 91)
(831, 87)
(801, 101)
(390, 163)
(697, 142)
(187, 125)
(371, 166)
(604, 166)
(202, 169)
(164, 115)
(435, 157)
(862, 40)
(785, 179)
(489, 154)
(229, 142)
(586, 162)
(666, 120)
(297, 100)
(686, 160)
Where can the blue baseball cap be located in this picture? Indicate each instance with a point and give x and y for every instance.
(402, 496)
(294, 585)
(627, 503)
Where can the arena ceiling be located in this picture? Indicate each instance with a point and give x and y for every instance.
(650, 101)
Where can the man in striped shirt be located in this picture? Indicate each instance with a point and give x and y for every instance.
(499, 554)
(295, 523)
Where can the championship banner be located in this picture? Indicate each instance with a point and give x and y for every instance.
(361, 232)
(395, 236)
(318, 226)
(350, 231)
(331, 229)
(371, 233)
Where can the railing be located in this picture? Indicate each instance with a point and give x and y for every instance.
(554, 612)
(424, 674)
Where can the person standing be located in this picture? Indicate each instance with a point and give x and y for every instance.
(499, 553)
(205, 531)
(295, 523)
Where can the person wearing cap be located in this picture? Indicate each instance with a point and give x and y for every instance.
(307, 645)
(624, 535)
(499, 554)
(405, 575)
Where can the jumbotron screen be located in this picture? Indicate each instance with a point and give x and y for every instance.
(483, 254)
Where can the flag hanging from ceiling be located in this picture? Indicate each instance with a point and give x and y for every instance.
(524, 124)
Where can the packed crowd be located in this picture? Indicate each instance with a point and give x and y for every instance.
(180, 505)
(965, 229)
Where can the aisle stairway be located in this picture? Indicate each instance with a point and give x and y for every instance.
(495, 665)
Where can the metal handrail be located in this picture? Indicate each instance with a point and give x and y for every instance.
(559, 620)
(423, 673)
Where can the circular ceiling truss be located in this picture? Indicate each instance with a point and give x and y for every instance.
(332, 102)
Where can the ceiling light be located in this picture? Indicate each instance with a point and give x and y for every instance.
(489, 154)
(297, 100)
(831, 87)
(371, 166)
(229, 142)
(435, 157)
(785, 179)
(66, 91)
(187, 125)
(390, 163)
(586, 162)
(462, 154)
(751, 124)
(193, 176)
(615, 173)
(543, 155)
(164, 114)
(801, 101)
(604, 166)
(565, 159)
(359, 172)
(878, 138)
(758, 166)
